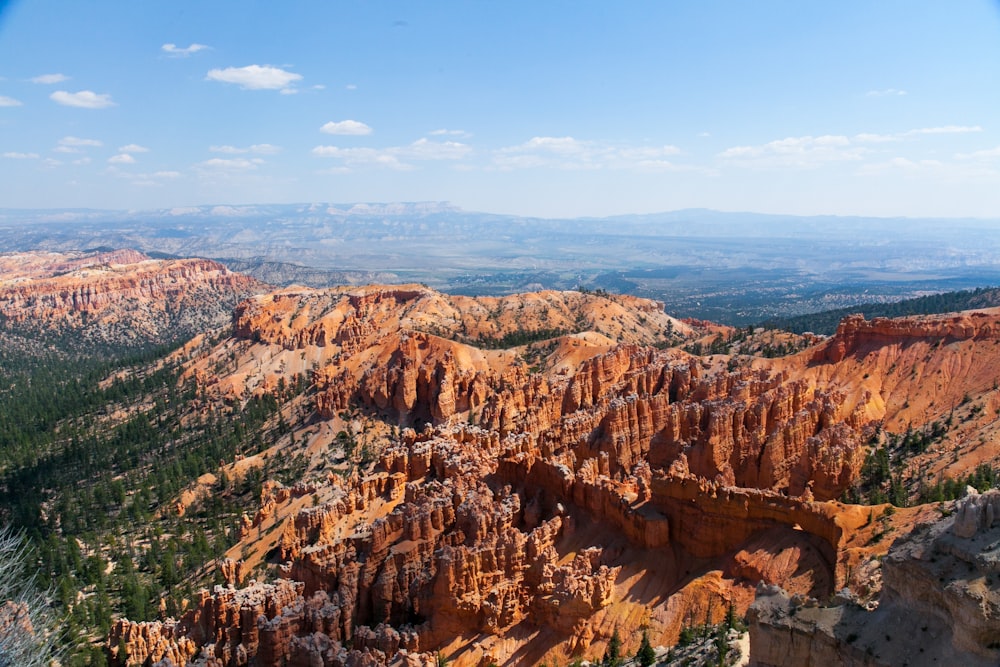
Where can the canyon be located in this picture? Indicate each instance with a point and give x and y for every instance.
(518, 479)
(491, 498)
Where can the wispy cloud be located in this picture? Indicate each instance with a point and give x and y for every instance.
(121, 158)
(218, 164)
(152, 179)
(132, 148)
(9, 101)
(938, 170)
(425, 149)
(346, 127)
(450, 133)
(49, 78)
(801, 152)
(77, 142)
(396, 157)
(20, 156)
(946, 129)
(258, 149)
(571, 153)
(886, 92)
(985, 154)
(363, 156)
(256, 77)
(175, 51)
(84, 99)
(918, 132)
(811, 152)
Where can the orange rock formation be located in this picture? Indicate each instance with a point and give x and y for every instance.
(537, 506)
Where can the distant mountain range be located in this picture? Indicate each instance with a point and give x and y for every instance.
(733, 267)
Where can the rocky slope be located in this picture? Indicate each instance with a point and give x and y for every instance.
(121, 297)
(511, 480)
(940, 603)
(909, 373)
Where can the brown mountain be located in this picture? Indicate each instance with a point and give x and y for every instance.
(514, 479)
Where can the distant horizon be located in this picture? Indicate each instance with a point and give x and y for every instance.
(556, 110)
(207, 209)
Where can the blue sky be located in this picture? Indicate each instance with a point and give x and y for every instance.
(888, 108)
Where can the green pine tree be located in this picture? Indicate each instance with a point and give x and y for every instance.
(646, 655)
(612, 656)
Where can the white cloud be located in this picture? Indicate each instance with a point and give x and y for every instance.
(121, 158)
(85, 99)
(175, 51)
(424, 149)
(946, 129)
(229, 164)
(873, 138)
(450, 133)
(77, 141)
(363, 156)
(347, 127)
(83, 160)
(986, 154)
(133, 148)
(571, 153)
(934, 172)
(801, 152)
(351, 86)
(255, 77)
(144, 179)
(50, 78)
(66, 149)
(886, 92)
(21, 156)
(9, 101)
(49, 162)
(335, 171)
(396, 157)
(259, 149)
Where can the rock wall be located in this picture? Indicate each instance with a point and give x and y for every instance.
(856, 333)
